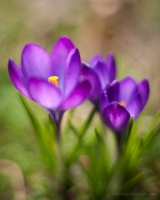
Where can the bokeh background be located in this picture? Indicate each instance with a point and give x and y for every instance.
(128, 28)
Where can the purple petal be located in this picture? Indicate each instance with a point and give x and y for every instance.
(101, 69)
(36, 62)
(59, 56)
(73, 71)
(17, 78)
(44, 93)
(103, 103)
(143, 88)
(116, 117)
(80, 93)
(128, 89)
(60, 53)
(111, 66)
(113, 92)
(134, 107)
(92, 77)
(95, 59)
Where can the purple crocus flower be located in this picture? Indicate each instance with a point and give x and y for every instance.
(52, 80)
(122, 100)
(100, 73)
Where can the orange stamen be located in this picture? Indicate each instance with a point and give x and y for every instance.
(53, 80)
(122, 103)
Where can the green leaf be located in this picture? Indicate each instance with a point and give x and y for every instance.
(133, 181)
(74, 153)
(99, 137)
(154, 121)
(128, 131)
(150, 136)
(72, 127)
(88, 121)
(47, 144)
(70, 115)
(36, 125)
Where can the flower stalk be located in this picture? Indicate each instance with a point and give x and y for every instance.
(89, 120)
(56, 119)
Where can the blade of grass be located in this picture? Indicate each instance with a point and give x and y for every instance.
(45, 145)
(133, 181)
(88, 121)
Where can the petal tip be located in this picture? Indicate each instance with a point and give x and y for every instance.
(74, 54)
(111, 55)
(75, 51)
(11, 65)
(10, 62)
(65, 41)
(84, 64)
(129, 78)
(144, 90)
(28, 46)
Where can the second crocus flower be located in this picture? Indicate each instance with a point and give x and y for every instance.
(122, 100)
(100, 74)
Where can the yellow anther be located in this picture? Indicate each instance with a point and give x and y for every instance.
(53, 80)
(122, 103)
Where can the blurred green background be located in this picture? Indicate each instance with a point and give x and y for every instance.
(130, 29)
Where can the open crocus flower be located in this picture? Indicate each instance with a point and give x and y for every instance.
(100, 73)
(122, 100)
(52, 80)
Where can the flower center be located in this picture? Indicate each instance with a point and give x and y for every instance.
(122, 103)
(53, 80)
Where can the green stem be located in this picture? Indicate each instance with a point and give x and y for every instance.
(58, 131)
(82, 133)
(56, 119)
(87, 123)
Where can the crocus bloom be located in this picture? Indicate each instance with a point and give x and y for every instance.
(52, 80)
(122, 100)
(100, 73)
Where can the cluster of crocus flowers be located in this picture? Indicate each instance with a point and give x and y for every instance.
(60, 81)
(52, 80)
